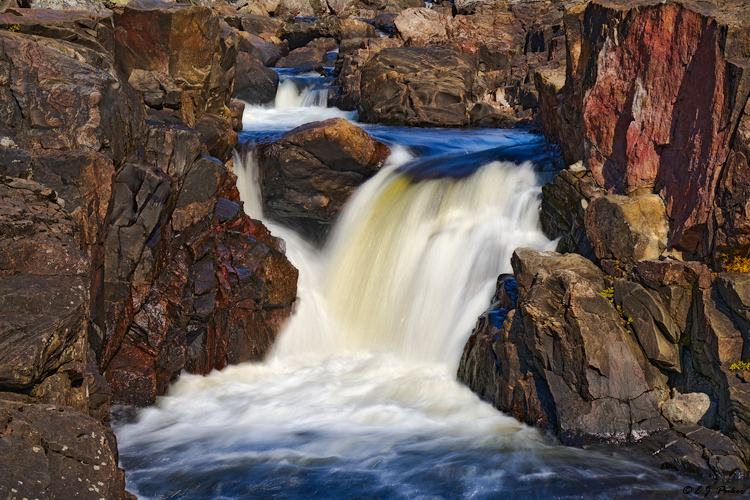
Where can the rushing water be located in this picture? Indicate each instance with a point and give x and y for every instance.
(359, 399)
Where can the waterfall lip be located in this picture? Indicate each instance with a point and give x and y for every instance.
(463, 165)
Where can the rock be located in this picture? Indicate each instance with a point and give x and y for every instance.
(528, 263)
(562, 360)
(309, 173)
(487, 115)
(563, 207)
(304, 58)
(253, 23)
(80, 5)
(299, 35)
(393, 5)
(266, 52)
(158, 89)
(385, 22)
(254, 84)
(654, 328)
(417, 86)
(672, 272)
(650, 124)
(51, 451)
(626, 229)
(421, 26)
(735, 290)
(685, 408)
(65, 96)
(188, 43)
(302, 8)
(348, 93)
(82, 27)
(218, 135)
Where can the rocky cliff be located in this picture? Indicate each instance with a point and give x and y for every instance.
(636, 333)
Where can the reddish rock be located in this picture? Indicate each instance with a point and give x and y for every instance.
(264, 51)
(656, 91)
(308, 174)
(423, 26)
(304, 58)
(84, 28)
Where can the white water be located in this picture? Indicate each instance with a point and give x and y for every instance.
(359, 398)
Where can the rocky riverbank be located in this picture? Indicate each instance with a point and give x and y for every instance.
(127, 257)
(640, 333)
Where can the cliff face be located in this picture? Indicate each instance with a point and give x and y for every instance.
(652, 105)
(654, 102)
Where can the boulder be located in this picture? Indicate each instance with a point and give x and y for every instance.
(735, 290)
(644, 121)
(266, 52)
(82, 27)
(299, 34)
(528, 263)
(624, 230)
(685, 408)
(421, 26)
(305, 58)
(254, 83)
(310, 172)
(563, 360)
(417, 86)
(65, 96)
(253, 23)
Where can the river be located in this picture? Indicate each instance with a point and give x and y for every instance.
(359, 399)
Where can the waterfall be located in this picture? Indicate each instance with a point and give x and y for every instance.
(411, 265)
(291, 94)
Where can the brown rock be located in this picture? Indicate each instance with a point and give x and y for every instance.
(308, 174)
(417, 86)
(55, 452)
(421, 26)
(305, 58)
(528, 263)
(266, 52)
(188, 43)
(65, 96)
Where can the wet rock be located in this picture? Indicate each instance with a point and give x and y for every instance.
(308, 174)
(254, 84)
(51, 451)
(685, 408)
(65, 96)
(626, 230)
(417, 86)
(187, 43)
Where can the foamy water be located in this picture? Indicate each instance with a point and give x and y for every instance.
(359, 398)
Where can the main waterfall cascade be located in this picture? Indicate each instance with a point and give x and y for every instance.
(359, 398)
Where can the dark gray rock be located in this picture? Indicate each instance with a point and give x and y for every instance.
(254, 84)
